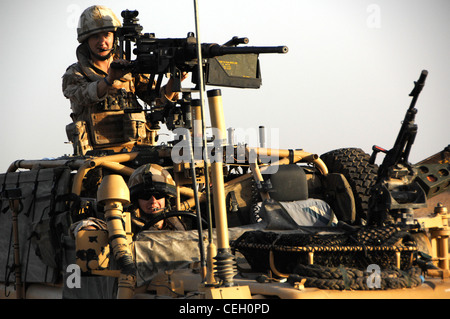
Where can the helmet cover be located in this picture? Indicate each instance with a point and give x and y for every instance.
(96, 19)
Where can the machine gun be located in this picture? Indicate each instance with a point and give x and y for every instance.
(399, 153)
(223, 65)
(175, 56)
(397, 190)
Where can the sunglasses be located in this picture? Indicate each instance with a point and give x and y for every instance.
(148, 195)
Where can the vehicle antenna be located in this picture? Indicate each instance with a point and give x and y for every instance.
(201, 88)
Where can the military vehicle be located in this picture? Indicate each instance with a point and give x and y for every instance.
(260, 222)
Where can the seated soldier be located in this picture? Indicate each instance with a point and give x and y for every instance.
(152, 189)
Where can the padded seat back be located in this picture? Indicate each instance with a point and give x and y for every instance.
(288, 183)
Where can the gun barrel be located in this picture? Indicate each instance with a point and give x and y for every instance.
(418, 86)
(212, 50)
(422, 77)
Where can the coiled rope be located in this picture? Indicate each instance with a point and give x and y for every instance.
(343, 278)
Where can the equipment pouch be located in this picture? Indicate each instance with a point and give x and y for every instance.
(107, 127)
(341, 197)
(77, 133)
(92, 249)
(134, 126)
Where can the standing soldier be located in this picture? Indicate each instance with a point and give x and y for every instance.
(105, 111)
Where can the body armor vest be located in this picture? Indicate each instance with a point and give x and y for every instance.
(117, 119)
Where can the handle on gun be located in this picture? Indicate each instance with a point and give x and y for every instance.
(119, 66)
(235, 41)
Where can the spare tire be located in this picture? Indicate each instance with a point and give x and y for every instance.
(354, 164)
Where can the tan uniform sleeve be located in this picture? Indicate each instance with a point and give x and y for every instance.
(79, 90)
(142, 81)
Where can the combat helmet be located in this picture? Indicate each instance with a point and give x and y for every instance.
(151, 179)
(96, 19)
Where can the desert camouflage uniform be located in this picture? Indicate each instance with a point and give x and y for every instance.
(80, 86)
(100, 121)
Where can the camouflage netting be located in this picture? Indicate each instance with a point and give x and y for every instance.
(340, 260)
(42, 220)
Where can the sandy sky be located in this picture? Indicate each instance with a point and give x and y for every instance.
(344, 83)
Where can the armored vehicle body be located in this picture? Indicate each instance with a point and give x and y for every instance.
(256, 222)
